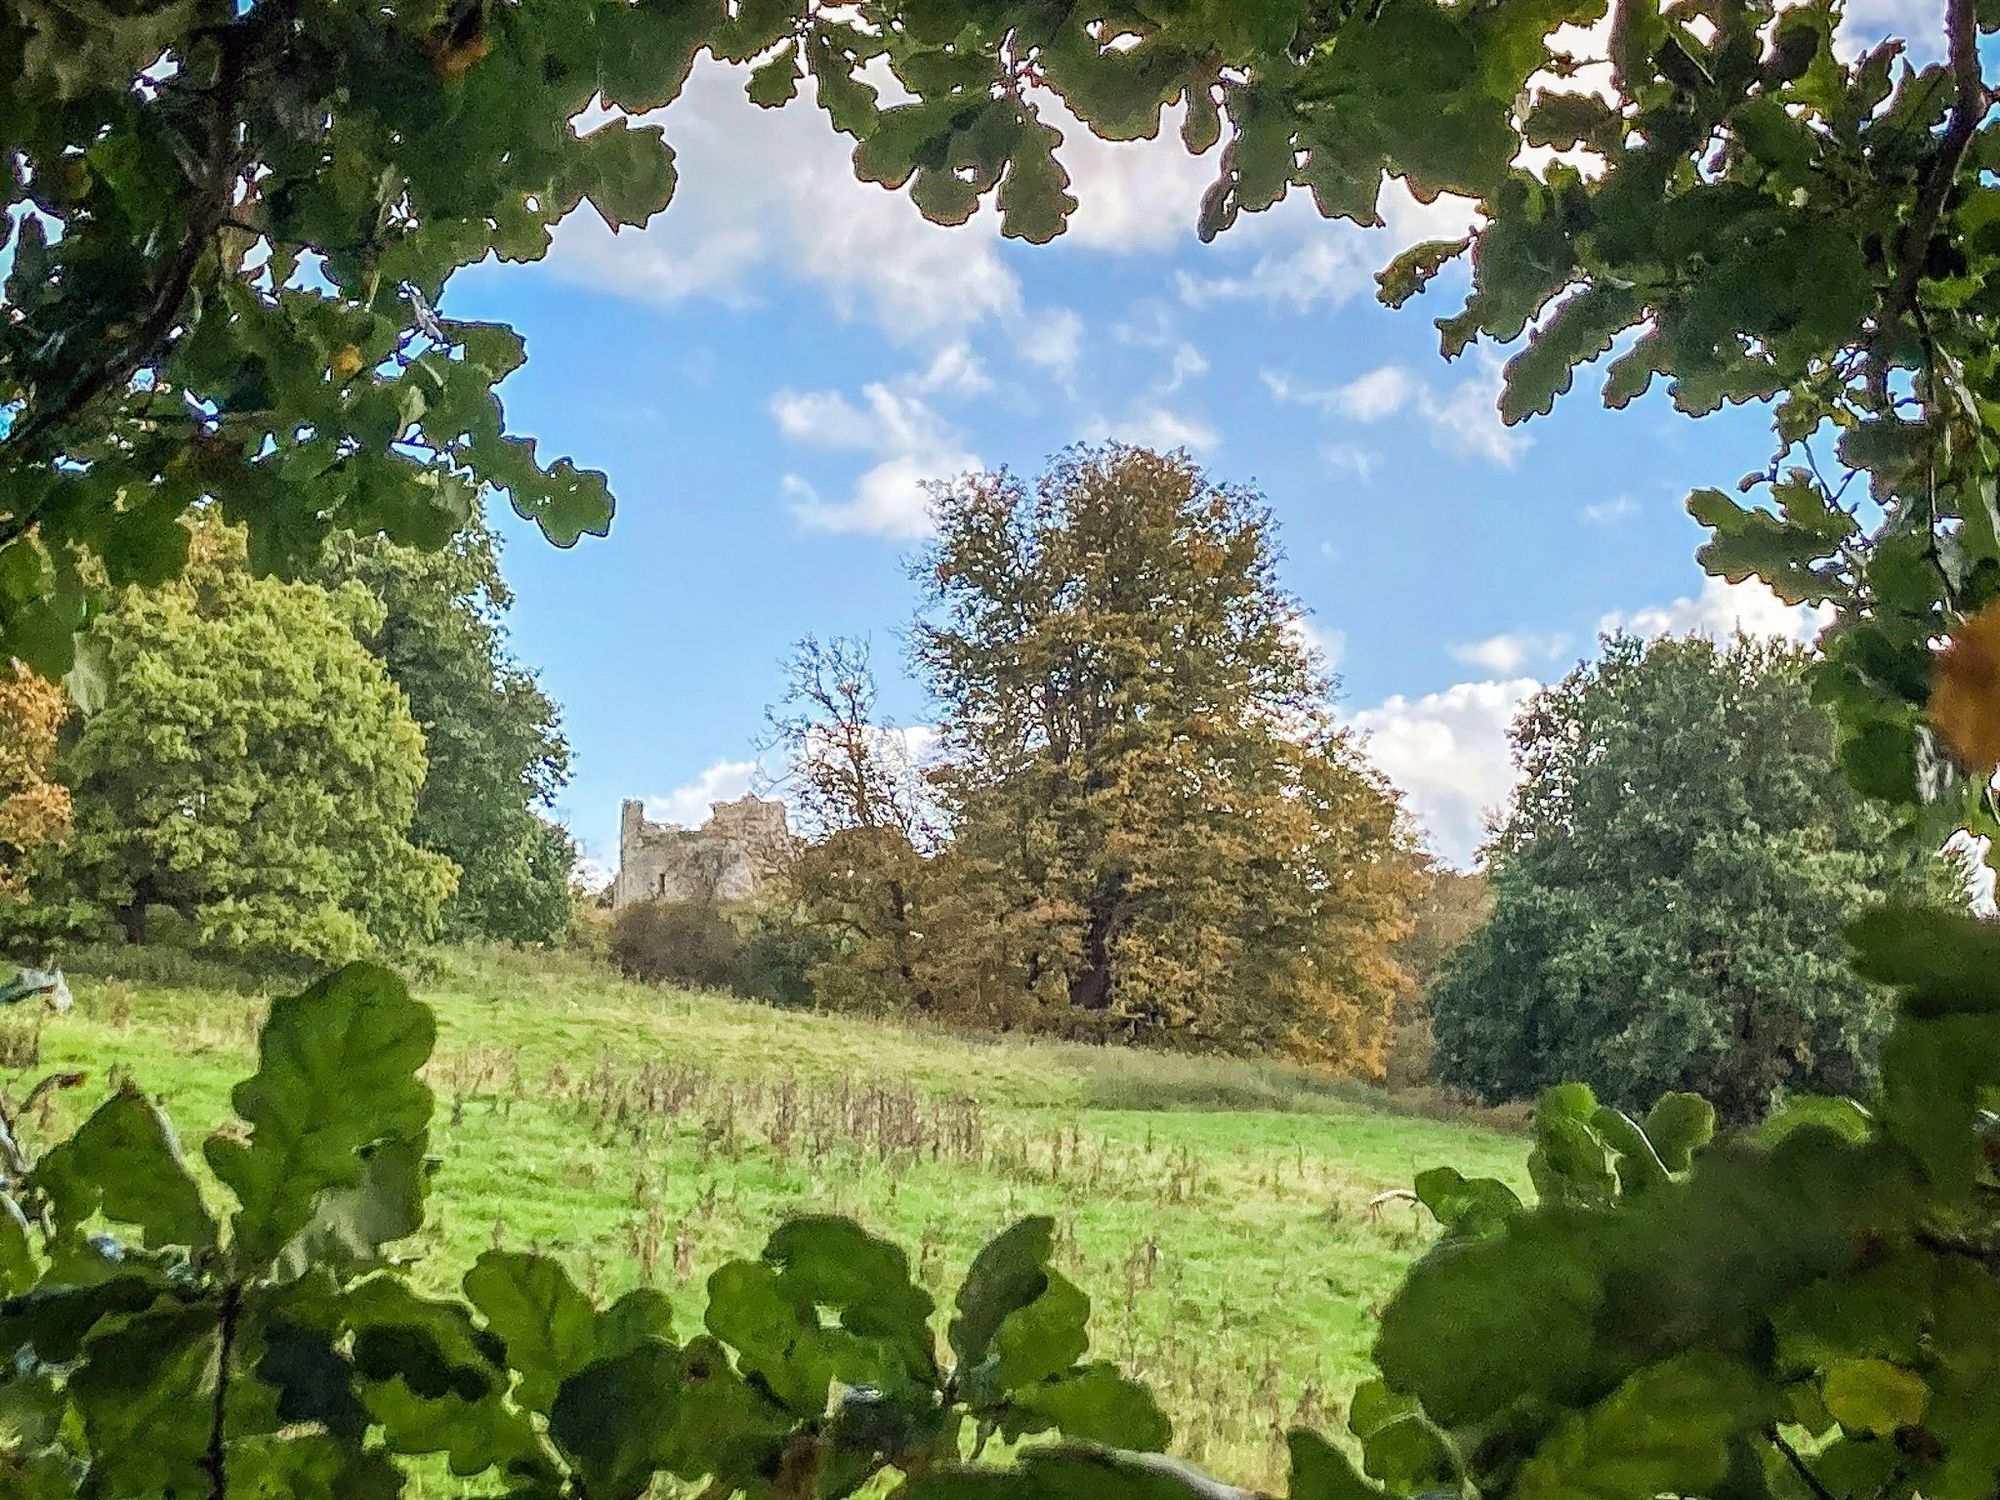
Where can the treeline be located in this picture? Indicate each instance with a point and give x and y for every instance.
(1135, 816)
(339, 763)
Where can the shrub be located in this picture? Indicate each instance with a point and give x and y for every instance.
(679, 942)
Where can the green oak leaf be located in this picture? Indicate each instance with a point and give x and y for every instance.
(337, 1073)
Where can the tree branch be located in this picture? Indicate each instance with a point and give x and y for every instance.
(1969, 105)
(1806, 1475)
(39, 433)
(215, 1463)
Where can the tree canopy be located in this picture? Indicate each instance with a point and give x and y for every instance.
(34, 808)
(252, 768)
(1670, 886)
(493, 745)
(1138, 818)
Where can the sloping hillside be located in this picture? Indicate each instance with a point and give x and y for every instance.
(1217, 1212)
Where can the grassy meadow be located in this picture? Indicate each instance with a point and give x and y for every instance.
(1215, 1211)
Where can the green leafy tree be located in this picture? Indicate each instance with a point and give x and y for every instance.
(1669, 887)
(1137, 741)
(492, 737)
(253, 768)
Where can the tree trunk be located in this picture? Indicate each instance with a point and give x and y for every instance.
(1090, 989)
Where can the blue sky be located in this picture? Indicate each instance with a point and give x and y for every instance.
(770, 369)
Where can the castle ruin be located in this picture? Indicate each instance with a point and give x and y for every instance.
(725, 859)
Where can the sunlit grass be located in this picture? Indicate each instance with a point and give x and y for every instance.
(1217, 1211)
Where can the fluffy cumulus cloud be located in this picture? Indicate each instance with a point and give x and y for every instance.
(1131, 195)
(1289, 256)
(1448, 752)
(1052, 340)
(1721, 610)
(687, 805)
(1463, 418)
(771, 193)
(911, 444)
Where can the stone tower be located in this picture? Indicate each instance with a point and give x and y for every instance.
(725, 859)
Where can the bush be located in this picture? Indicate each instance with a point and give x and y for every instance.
(780, 954)
(679, 942)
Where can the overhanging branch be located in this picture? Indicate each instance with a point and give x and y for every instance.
(1970, 102)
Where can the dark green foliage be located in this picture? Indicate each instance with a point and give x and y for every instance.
(1669, 888)
(679, 942)
(493, 744)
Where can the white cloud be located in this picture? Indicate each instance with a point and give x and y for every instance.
(1720, 610)
(1321, 641)
(1356, 460)
(1467, 419)
(912, 443)
(1155, 327)
(1301, 260)
(955, 370)
(1150, 425)
(1054, 341)
(1609, 512)
(1507, 654)
(767, 195)
(1131, 195)
(1464, 419)
(1448, 751)
(688, 805)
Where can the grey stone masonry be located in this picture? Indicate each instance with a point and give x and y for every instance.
(725, 859)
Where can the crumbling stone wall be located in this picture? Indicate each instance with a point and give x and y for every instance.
(725, 859)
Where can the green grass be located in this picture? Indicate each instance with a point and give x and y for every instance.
(1216, 1211)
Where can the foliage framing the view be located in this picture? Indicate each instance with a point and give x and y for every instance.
(1713, 189)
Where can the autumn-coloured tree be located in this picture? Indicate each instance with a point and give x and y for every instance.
(34, 810)
(1138, 744)
(860, 874)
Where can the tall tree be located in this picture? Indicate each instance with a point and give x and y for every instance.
(1136, 737)
(860, 872)
(1670, 887)
(34, 808)
(492, 737)
(254, 768)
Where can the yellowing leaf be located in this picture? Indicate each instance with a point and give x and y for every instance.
(346, 361)
(1965, 692)
(1872, 1395)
